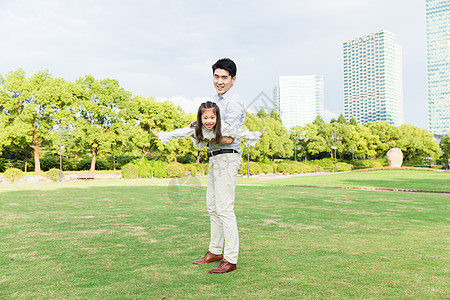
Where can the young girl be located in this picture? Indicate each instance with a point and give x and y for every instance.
(209, 129)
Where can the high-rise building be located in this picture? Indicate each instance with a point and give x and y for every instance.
(300, 99)
(438, 65)
(373, 84)
(276, 99)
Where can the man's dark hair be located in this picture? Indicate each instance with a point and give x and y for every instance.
(227, 65)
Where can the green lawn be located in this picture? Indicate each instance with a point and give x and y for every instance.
(130, 239)
(387, 179)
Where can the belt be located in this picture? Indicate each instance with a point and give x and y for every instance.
(221, 151)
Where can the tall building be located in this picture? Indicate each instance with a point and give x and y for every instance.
(373, 83)
(300, 99)
(276, 99)
(438, 65)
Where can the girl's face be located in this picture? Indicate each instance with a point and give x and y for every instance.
(209, 118)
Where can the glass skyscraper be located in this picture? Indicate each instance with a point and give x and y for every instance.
(300, 99)
(438, 65)
(373, 83)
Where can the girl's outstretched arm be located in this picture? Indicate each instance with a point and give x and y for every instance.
(179, 133)
(262, 131)
(154, 132)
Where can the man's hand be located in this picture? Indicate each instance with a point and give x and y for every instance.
(226, 140)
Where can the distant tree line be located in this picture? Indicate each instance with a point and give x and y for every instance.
(98, 120)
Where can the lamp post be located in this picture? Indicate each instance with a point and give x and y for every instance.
(303, 137)
(353, 149)
(60, 153)
(295, 148)
(248, 160)
(335, 137)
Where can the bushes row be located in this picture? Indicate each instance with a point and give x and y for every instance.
(49, 162)
(14, 174)
(160, 169)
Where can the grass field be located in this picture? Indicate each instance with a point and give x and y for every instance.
(131, 239)
(384, 179)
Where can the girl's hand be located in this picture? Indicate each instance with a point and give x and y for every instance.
(262, 131)
(154, 132)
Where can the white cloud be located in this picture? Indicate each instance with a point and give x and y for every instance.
(328, 115)
(188, 105)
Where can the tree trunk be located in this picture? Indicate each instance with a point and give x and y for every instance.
(198, 158)
(144, 153)
(175, 158)
(94, 159)
(37, 163)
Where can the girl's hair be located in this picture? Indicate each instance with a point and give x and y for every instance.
(198, 126)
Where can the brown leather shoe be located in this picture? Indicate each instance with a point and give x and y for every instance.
(209, 257)
(224, 267)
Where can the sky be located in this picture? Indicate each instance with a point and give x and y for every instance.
(165, 49)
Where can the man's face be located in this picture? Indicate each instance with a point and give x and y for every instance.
(223, 81)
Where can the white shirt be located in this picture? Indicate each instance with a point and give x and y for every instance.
(232, 112)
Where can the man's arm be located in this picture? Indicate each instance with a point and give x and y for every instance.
(226, 140)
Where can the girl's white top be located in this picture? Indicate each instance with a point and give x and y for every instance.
(252, 137)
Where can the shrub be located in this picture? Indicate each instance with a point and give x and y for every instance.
(159, 168)
(130, 171)
(324, 162)
(369, 163)
(343, 167)
(315, 168)
(255, 169)
(286, 168)
(53, 175)
(200, 169)
(144, 167)
(266, 168)
(13, 174)
(191, 170)
(175, 170)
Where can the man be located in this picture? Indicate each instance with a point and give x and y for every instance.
(224, 164)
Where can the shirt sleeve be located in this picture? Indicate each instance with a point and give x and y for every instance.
(234, 114)
(197, 144)
(179, 133)
(251, 137)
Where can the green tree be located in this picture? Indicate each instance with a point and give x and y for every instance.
(388, 137)
(353, 121)
(274, 143)
(417, 144)
(31, 107)
(102, 108)
(445, 147)
(342, 119)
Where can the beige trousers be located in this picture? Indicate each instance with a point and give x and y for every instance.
(220, 195)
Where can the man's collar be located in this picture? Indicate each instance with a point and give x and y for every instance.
(226, 95)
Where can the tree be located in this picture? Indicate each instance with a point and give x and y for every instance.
(31, 107)
(388, 137)
(164, 116)
(417, 144)
(445, 147)
(276, 116)
(342, 119)
(101, 111)
(274, 143)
